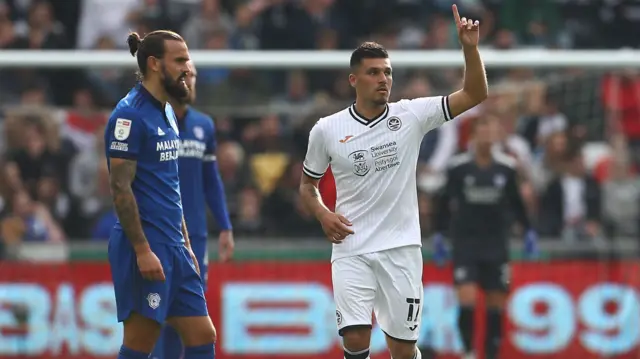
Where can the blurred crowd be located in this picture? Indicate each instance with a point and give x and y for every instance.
(54, 183)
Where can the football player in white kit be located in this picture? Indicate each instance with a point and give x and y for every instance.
(372, 147)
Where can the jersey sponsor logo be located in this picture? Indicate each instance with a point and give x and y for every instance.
(198, 132)
(119, 146)
(192, 149)
(385, 156)
(346, 139)
(479, 194)
(169, 150)
(394, 123)
(122, 129)
(360, 162)
(154, 300)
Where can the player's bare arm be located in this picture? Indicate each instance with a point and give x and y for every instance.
(335, 226)
(123, 171)
(475, 88)
(187, 243)
(185, 233)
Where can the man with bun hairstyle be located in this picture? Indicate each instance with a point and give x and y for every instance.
(155, 274)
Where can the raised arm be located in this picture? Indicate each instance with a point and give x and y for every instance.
(475, 88)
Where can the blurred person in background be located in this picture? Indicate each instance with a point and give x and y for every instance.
(248, 220)
(283, 207)
(85, 188)
(571, 205)
(548, 163)
(479, 201)
(621, 100)
(29, 221)
(621, 193)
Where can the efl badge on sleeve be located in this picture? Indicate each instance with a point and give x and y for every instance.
(122, 129)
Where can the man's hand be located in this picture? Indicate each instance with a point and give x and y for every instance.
(194, 259)
(335, 226)
(225, 245)
(468, 30)
(149, 265)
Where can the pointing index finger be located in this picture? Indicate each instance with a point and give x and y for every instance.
(456, 15)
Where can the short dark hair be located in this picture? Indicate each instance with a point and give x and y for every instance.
(152, 44)
(368, 50)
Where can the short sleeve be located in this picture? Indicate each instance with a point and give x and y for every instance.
(431, 112)
(125, 135)
(317, 159)
(211, 144)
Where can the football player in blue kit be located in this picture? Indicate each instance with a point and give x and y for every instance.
(155, 274)
(201, 186)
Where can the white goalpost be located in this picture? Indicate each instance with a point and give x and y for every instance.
(530, 58)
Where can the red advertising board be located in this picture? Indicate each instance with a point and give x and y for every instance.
(273, 310)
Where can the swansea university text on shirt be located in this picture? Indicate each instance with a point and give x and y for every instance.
(142, 129)
(199, 178)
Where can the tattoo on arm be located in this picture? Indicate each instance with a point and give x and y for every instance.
(122, 174)
(310, 195)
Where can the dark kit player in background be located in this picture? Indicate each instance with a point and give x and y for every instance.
(200, 186)
(479, 197)
(154, 271)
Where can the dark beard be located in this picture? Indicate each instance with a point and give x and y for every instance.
(173, 87)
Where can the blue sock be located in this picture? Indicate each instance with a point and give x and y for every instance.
(169, 344)
(126, 353)
(207, 351)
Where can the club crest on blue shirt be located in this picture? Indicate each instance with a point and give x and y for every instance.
(198, 132)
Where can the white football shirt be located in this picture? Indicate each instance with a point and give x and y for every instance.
(374, 165)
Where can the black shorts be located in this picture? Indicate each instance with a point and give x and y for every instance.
(490, 271)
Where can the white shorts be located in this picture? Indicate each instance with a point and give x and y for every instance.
(387, 284)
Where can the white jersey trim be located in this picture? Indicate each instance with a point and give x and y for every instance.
(363, 120)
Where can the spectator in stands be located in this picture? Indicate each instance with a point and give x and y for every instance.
(283, 209)
(547, 164)
(621, 99)
(248, 219)
(211, 16)
(29, 221)
(40, 30)
(571, 205)
(621, 192)
(270, 154)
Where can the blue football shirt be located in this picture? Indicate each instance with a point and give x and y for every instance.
(141, 128)
(197, 138)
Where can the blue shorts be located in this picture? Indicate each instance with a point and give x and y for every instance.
(180, 295)
(201, 250)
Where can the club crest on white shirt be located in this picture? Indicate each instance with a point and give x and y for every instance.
(360, 162)
(394, 123)
(122, 129)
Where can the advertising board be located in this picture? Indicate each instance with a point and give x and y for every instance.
(269, 310)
